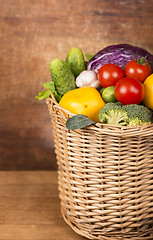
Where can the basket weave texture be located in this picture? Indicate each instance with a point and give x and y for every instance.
(105, 178)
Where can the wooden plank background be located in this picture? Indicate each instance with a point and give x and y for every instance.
(33, 32)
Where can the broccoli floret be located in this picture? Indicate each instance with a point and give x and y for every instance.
(125, 115)
(113, 113)
(138, 115)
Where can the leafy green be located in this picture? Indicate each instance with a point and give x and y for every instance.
(142, 60)
(43, 94)
(88, 56)
(78, 121)
(50, 86)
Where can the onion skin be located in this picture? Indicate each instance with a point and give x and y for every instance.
(120, 55)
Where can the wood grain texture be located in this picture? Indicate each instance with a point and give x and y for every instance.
(32, 34)
(30, 207)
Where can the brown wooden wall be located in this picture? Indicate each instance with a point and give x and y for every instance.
(33, 32)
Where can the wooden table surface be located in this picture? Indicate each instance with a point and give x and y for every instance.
(30, 207)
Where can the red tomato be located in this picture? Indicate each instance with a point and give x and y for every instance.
(109, 74)
(137, 71)
(129, 91)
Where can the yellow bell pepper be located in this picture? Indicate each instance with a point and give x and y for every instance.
(84, 100)
(148, 98)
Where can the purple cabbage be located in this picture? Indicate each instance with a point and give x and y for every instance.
(118, 54)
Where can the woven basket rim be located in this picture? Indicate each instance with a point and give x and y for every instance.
(124, 131)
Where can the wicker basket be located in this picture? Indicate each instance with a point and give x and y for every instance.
(105, 178)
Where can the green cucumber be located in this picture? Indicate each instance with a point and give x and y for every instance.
(76, 61)
(62, 76)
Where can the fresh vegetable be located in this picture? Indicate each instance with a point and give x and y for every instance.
(138, 69)
(108, 95)
(129, 91)
(50, 86)
(109, 74)
(75, 59)
(88, 56)
(123, 72)
(87, 78)
(148, 98)
(117, 114)
(62, 76)
(125, 115)
(101, 90)
(78, 121)
(138, 115)
(113, 113)
(118, 54)
(85, 100)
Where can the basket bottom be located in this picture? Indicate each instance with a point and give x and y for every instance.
(102, 234)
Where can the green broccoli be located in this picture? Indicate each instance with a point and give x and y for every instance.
(138, 115)
(113, 113)
(125, 115)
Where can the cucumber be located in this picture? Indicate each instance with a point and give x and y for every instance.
(76, 61)
(62, 76)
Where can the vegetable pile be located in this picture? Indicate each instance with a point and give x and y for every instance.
(115, 86)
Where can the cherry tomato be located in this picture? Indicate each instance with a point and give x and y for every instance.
(109, 74)
(137, 71)
(129, 91)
